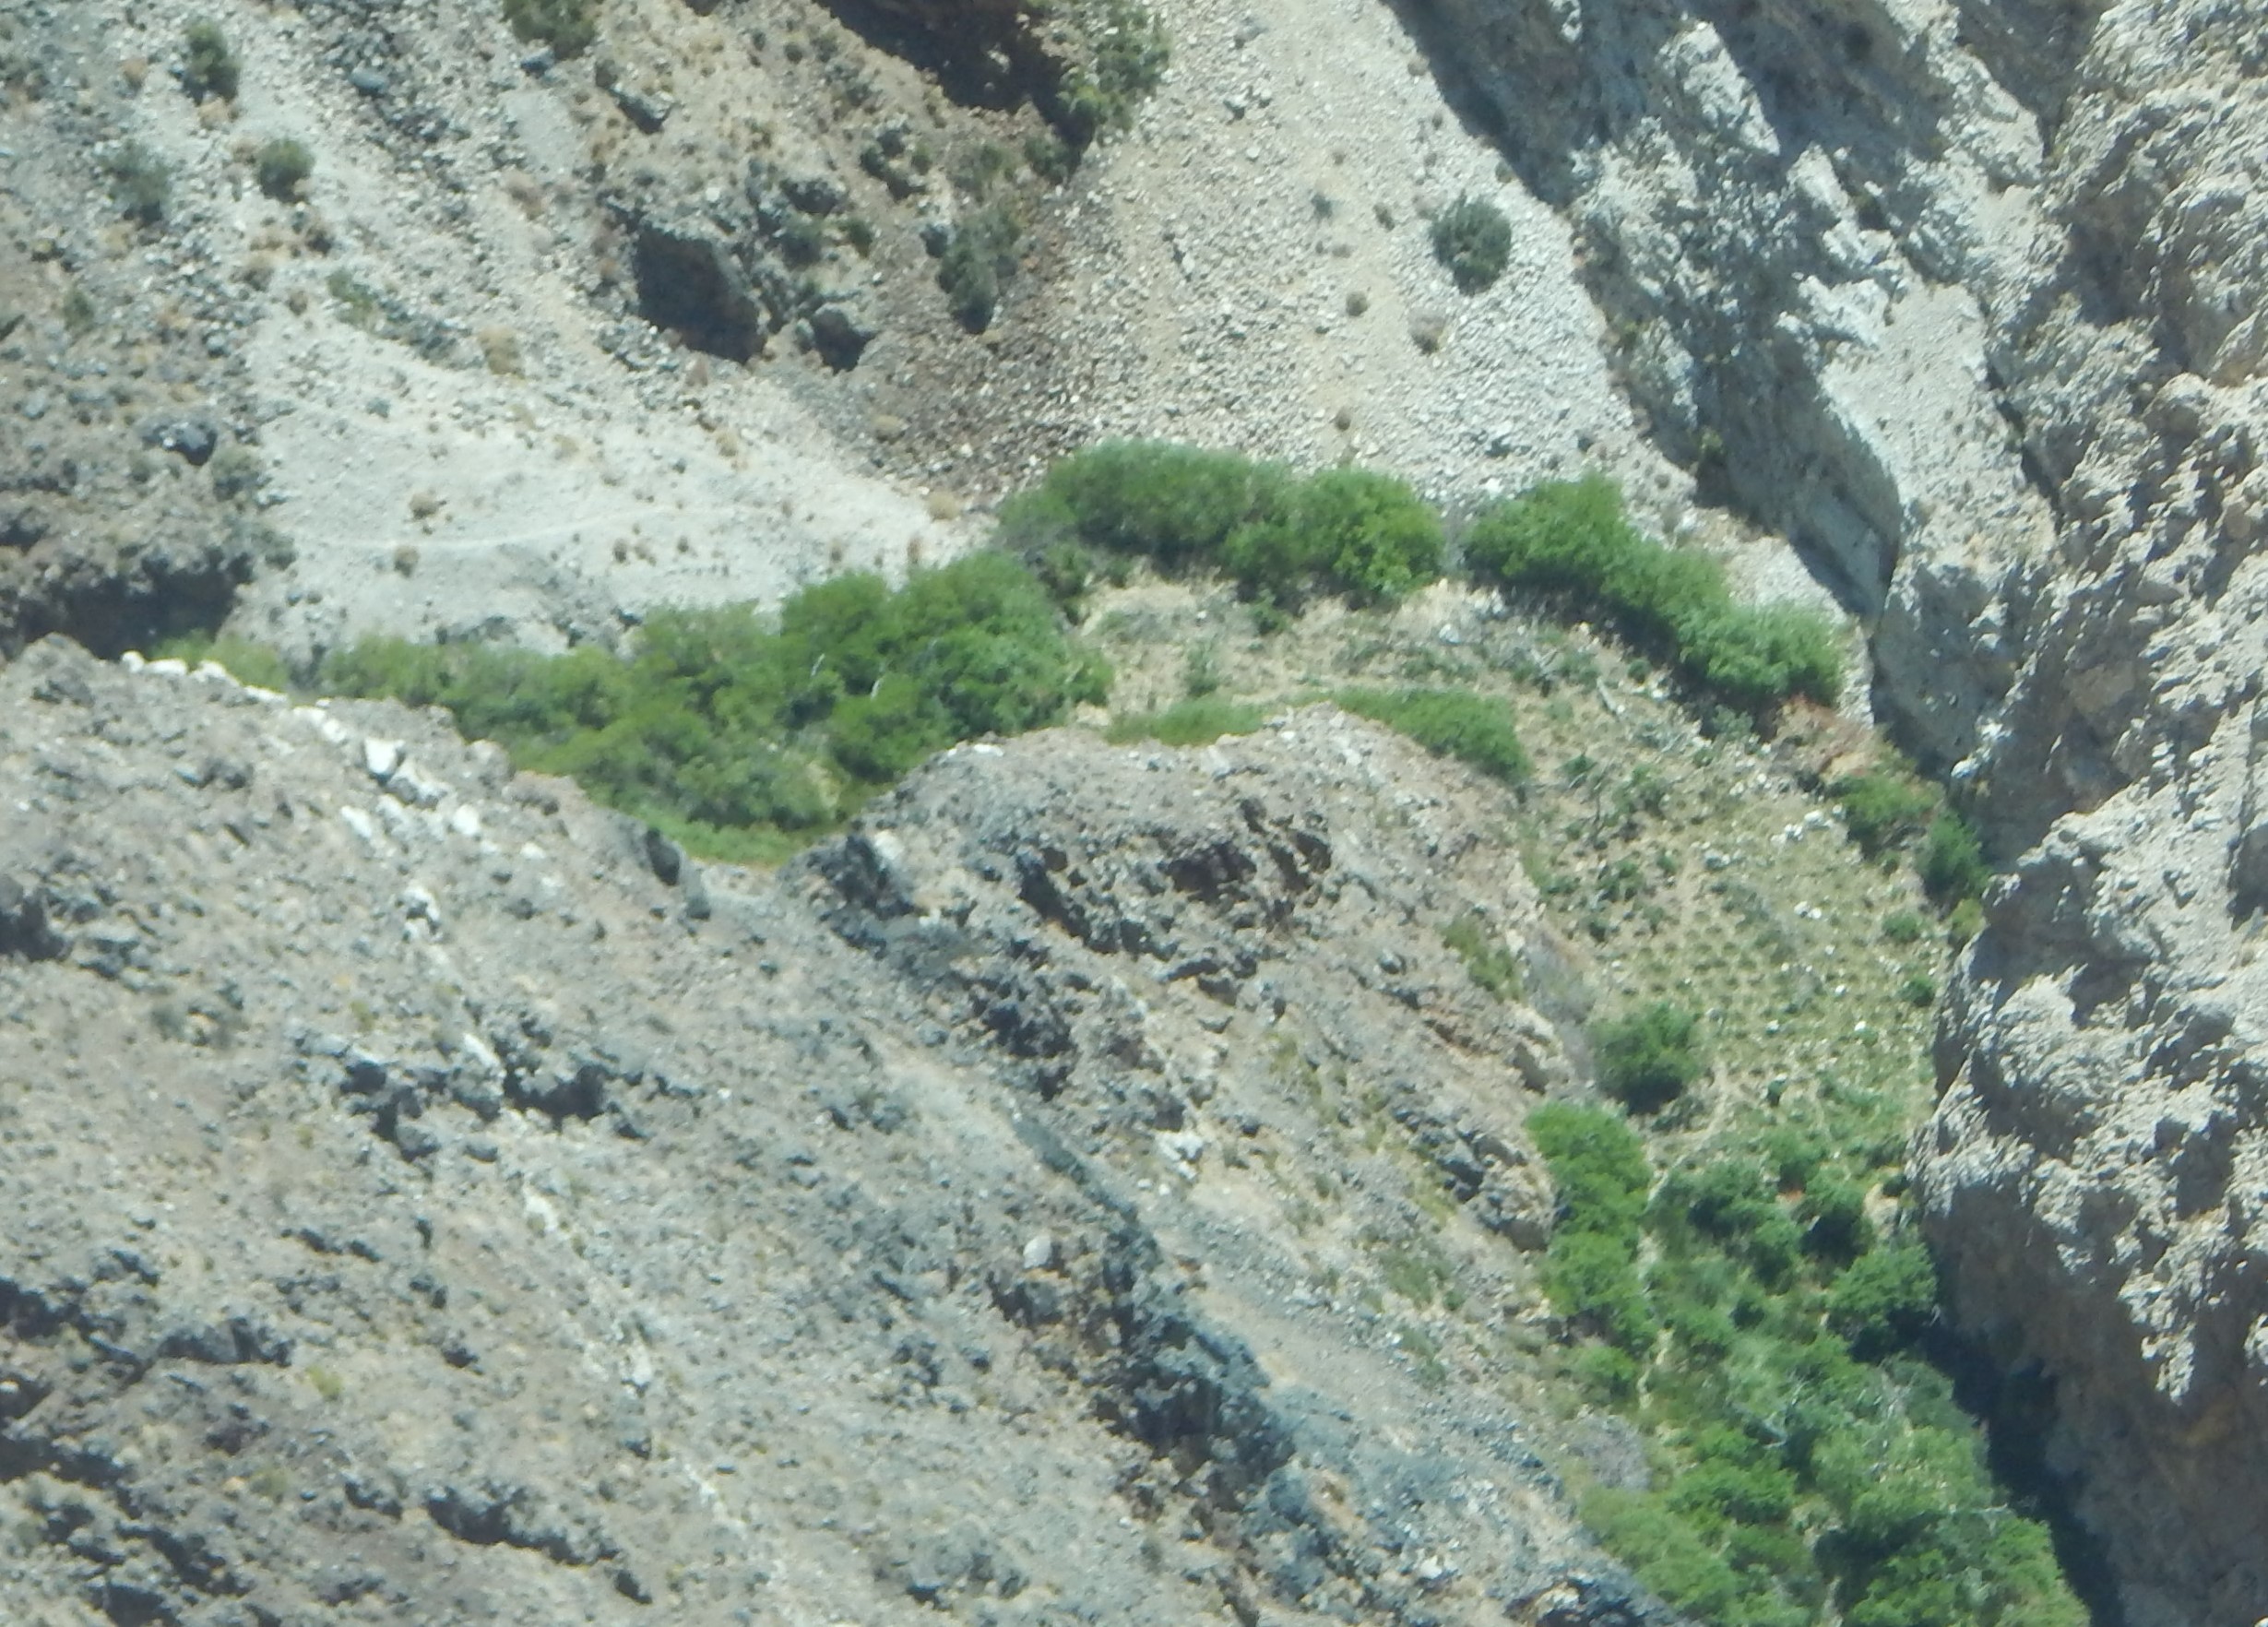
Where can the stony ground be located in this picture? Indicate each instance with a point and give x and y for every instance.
(1090, 1187)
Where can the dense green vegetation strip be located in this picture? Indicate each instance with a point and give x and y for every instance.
(1744, 1314)
(1284, 537)
(741, 739)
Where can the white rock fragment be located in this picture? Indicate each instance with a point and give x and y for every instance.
(1040, 1253)
(381, 757)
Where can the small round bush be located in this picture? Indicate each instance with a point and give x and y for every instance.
(209, 67)
(566, 26)
(1647, 1059)
(280, 165)
(1472, 239)
(141, 183)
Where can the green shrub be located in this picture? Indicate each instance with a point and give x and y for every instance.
(1197, 721)
(280, 167)
(1667, 1553)
(1884, 1300)
(1952, 863)
(1173, 504)
(209, 68)
(1904, 926)
(1884, 808)
(1834, 1214)
(1756, 656)
(1349, 530)
(1366, 534)
(1591, 1280)
(1571, 538)
(732, 736)
(1754, 1494)
(977, 262)
(1599, 1166)
(1646, 1060)
(1449, 723)
(1473, 240)
(1606, 1375)
(566, 26)
(1130, 55)
(141, 183)
(1728, 1204)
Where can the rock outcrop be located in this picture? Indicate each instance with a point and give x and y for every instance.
(1973, 301)
(428, 1196)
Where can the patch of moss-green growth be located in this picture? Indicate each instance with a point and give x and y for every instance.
(242, 659)
(1473, 241)
(1647, 1059)
(568, 27)
(1194, 722)
(739, 738)
(1475, 730)
(1488, 961)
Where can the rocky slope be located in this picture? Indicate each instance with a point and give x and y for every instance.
(429, 1199)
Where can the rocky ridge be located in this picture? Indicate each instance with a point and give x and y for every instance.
(433, 1196)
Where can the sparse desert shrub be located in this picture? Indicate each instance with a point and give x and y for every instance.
(236, 473)
(1646, 1060)
(1130, 57)
(979, 259)
(209, 67)
(142, 183)
(1904, 926)
(1473, 729)
(1473, 240)
(566, 26)
(280, 165)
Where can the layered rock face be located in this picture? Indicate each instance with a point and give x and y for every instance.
(2096, 1175)
(1970, 299)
